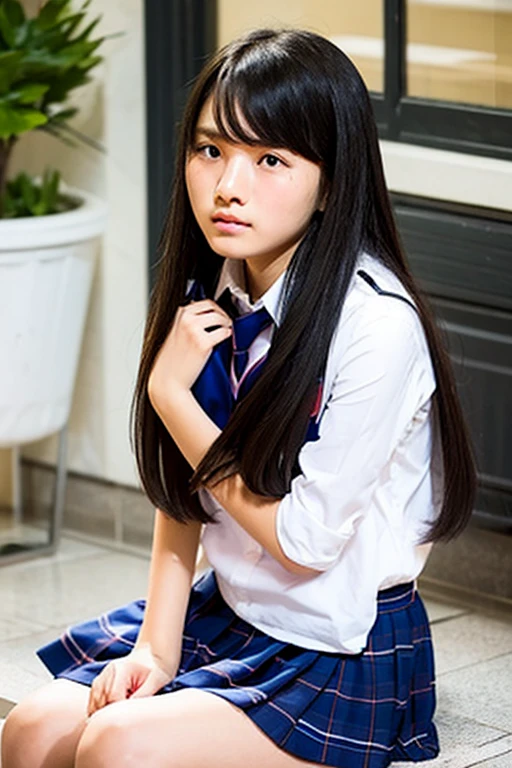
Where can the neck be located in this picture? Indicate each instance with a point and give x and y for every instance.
(260, 276)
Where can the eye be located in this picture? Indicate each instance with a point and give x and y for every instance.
(208, 150)
(271, 161)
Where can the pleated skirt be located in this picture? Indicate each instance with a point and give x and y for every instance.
(353, 711)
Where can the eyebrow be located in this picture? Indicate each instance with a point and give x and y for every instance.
(214, 134)
(210, 133)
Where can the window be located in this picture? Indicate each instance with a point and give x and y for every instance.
(460, 51)
(448, 75)
(357, 28)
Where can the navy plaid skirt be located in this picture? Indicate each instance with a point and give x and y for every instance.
(355, 711)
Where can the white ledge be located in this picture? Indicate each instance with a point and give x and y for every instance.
(444, 175)
(469, 5)
(417, 53)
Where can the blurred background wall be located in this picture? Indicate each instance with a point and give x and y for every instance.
(112, 114)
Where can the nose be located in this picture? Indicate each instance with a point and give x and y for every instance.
(233, 184)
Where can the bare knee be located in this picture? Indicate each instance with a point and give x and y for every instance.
(23, 736)
(40, 732)
(110, 739)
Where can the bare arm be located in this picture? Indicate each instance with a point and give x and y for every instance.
(173, 560)
(194, 432)
(155, 659)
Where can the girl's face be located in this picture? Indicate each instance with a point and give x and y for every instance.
(251, 202)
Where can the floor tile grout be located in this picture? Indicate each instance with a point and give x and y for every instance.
(444, 619)
(504, 734)
(486, 759)
(474, 664)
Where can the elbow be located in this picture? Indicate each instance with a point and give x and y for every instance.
(300, 570)
(320, 555)
(296, 568)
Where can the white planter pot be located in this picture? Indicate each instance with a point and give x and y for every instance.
(46, 270)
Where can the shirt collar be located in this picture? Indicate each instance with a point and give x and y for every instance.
(232, 276)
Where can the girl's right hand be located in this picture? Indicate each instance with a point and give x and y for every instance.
(134, 676)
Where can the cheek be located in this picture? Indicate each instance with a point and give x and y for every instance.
(193, 179)
(293, 203)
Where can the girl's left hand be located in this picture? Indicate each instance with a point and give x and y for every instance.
(196, 330)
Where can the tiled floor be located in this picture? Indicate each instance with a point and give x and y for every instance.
(473, 650)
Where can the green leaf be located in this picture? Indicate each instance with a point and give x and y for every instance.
(10, 68)
(89, 63)
(6, 29)
(49, 190)
(87, 31)
(25, 196)
(13, 30)
(43, 62)
(31, 93)
(70, 23)
(21, 95)
(13, 25)
(14, 12)
(43, 58)
(28, 190)
(61, 86)
(15, 121)
(64, 114)
(55, 37)
(50, 13)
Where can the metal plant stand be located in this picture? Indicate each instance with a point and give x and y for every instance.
(17, 551)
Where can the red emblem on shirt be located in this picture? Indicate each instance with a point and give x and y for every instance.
(318, 401)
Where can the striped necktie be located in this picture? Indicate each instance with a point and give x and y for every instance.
(227, 377)
(246, 329)
(218, 386)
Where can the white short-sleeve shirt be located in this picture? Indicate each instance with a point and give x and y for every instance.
(369, 487)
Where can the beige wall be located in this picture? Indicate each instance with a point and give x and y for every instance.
(482, 33)
(331, 18)
(112, 113)
(327, 17)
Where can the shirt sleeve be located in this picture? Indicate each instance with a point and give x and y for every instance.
(383, 378)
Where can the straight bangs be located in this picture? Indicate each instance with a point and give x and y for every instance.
(267, 98)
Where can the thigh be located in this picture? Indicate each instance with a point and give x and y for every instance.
(43, 731)
(189, 728)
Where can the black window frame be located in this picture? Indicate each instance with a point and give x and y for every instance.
(179, 37)
(467, 128)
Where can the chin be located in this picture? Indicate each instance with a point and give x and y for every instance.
(228, 251)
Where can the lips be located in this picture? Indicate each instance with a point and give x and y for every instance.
(228, 219)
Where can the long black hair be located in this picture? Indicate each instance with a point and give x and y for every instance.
(297, 90)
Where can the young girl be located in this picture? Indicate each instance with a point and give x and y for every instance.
(294, 397)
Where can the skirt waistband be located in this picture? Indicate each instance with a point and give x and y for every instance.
(395, 598)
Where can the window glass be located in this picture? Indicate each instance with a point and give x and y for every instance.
(460, 50)
(357, 27)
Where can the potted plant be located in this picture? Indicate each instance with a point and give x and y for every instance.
(48, 238)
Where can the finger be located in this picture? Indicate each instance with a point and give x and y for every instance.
(212, 323)
(92, 704)
(195, 325)
(117, 688)
(150, 686)
(215, 336)
(100, 687)
(204, 306)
